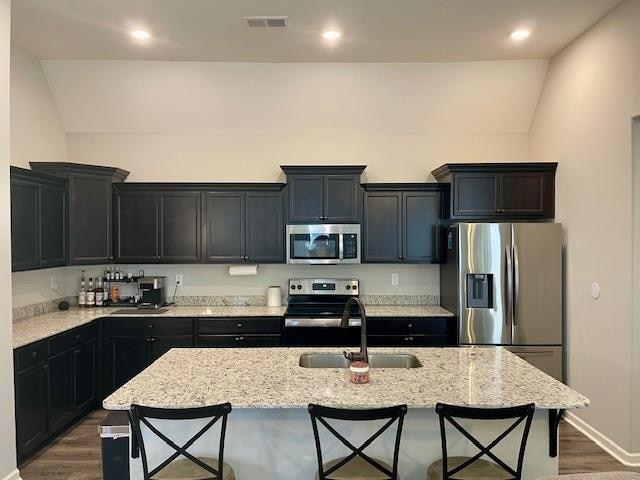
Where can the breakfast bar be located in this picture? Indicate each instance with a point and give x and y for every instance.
(269, 434)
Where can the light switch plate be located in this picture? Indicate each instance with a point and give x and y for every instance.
(394, 279)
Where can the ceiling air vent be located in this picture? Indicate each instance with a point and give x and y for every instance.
(266, 22)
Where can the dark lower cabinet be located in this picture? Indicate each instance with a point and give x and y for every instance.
(239, 332)
(32, 424)
(416, 331)
(127, 357)
(161, 345)
(55, 384)
(61, 389)
(85, 369)
(238, 341)
(402, 223)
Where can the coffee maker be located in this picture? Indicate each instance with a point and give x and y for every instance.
(152, 292)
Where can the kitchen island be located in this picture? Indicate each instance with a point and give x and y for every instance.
(269, 433)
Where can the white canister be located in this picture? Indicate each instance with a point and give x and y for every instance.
(274, 296)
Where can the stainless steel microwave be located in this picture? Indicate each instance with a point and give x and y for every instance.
(323, 244)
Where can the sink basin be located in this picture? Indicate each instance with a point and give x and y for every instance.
(376, 360)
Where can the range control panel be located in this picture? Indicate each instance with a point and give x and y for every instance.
(323, 286)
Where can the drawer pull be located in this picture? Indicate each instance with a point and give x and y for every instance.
(34, 354)
(78, 336)
(150, 326)
(239, 325)
(239, 339)
(410, 325)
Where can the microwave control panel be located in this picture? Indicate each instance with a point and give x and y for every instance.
(350, 246)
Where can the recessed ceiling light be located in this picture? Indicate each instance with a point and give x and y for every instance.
(520, 34)
(141, 34)
(331, 35)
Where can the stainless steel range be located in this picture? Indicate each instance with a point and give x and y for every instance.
(315, 311)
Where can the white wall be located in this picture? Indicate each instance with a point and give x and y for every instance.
(37, 133)
(185, 121)
(583, 121)
(7, 426)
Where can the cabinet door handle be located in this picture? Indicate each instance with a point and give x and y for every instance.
(34, 354)
(78, 336)
(410, 325)
(111, 257)
(239, 325)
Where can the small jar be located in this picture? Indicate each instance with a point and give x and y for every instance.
(359, 372)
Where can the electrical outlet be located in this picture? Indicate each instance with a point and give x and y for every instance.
(54, 283)
(394, 279)
(179, 279)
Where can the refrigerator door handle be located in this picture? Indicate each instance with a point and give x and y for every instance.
(516, 284)
(508, 292)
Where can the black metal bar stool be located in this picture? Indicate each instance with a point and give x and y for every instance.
(468, 468)
(357, 465)
(174, 467)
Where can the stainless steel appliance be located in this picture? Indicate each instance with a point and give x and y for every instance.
(152, 292)
(323, 244)
(504, 283)
(315, 310)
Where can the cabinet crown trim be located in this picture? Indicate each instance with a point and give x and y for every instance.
(413, 187)
(62, 169)
(449, 168)
(25, 174)
(323, 169)
(204, 187)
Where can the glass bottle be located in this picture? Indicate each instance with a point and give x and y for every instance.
(82, 294)
(91, 295)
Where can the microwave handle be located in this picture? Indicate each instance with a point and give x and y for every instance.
(341, 246)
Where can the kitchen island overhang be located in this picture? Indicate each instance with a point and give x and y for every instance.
(269, 433)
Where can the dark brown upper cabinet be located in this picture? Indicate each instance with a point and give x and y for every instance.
(244, 223)
(38, 220)
(402, 223)
(158, 223)
(500, 191)
(323, 194)
(90, 230)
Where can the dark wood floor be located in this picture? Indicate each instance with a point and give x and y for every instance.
(76, 454)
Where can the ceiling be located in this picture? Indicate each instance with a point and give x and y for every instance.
(374, 30)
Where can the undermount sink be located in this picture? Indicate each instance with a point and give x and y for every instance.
(376, 360)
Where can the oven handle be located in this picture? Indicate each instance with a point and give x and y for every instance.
(319, 322)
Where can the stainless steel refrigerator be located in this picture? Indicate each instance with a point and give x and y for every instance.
(503, 281)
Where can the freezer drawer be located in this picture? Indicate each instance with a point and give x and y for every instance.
(549, 359)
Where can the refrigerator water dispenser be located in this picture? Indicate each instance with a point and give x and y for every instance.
(479, 290)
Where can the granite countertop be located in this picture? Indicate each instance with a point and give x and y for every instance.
(29, 330)
(32, 329)
(271, 378)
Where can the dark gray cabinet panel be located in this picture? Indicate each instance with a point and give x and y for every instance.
(320, 194)
(31, 390)
(53, 226)
(476, 194)
(500, 191)
(38, 220)
(61, 390)
(402, 223)
(264, 227)
(225, 226)
(25, 225)
(127, 357)
(382, 238)
(180, 227)
(89, 208)
(341, 199)
(85, 363)
(137, 215)
(527, 193)
(161, 345)
(306, 194)
(421, 226)
(90, 219)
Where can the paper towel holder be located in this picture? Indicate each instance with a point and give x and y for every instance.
(243, 270)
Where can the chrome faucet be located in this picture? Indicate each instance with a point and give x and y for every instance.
(362, 355)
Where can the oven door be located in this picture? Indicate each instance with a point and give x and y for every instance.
(323, 244)
(320, 332)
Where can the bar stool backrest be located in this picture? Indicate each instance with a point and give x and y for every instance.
(140, 415)
(520, 414)
(320, 414)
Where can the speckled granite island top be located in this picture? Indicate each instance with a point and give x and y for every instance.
(32, 329)
(271, 378)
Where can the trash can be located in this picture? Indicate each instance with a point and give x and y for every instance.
(114, 435)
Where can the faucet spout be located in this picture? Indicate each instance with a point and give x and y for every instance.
(362, 355)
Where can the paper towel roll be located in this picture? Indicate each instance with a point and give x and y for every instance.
(274, 297)
(237, 270)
